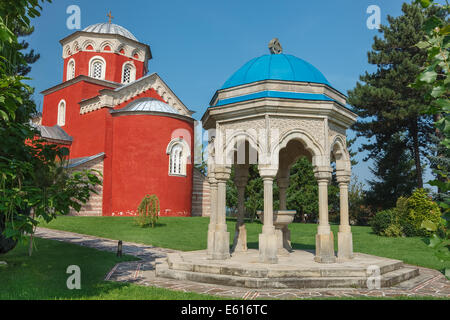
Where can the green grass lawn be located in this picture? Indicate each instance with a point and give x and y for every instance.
(43, 275)
(190, 234)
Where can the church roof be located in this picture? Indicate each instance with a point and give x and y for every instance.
(147, 104)
(53, 133)
(110, 28)
(276, 67)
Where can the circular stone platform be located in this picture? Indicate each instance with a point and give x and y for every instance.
(296, 270)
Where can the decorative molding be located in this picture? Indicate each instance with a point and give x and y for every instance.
(111, 98)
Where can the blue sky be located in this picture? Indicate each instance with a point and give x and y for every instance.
(197, 45)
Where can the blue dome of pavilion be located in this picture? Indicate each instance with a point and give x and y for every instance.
(276, 67)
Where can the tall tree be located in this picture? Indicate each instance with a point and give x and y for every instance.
(34, 180)
(385, 100)
(394, 173)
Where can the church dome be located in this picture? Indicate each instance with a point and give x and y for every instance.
(110, 28)
(276, 67)
(147, 104)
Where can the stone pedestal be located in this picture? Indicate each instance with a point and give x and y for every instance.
(345, 246)
(268, 248)
(325, 248)
(221, 244)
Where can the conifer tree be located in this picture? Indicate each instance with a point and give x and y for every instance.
(386, 102)
(394, 175)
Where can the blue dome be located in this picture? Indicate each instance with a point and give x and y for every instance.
(276, 67)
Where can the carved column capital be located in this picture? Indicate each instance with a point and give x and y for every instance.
(222, 173)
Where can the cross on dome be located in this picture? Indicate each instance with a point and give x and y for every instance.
(110, 17)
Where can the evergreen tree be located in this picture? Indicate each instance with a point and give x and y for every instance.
(386, 102)
(395, 175)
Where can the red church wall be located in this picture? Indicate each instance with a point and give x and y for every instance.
(141, 166)
(87, 130)
(114, 63)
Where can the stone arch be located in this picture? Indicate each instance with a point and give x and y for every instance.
(67, 51)
(136, 52)
(75, 47)
(245, 135)
(319, 158)
(107, 43)
(88, 43)
(338, 151)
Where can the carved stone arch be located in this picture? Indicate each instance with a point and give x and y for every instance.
(138, 53)
(67, 51)
(75, 47)
(159, 90)
(87, 43)
(319, 158)
(120, 47)
(247, 135)
(169, 100)
(338, 150)
(106, 43)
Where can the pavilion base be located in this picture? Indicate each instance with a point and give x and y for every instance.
(297, 270)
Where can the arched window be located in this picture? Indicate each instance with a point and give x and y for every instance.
(179, 152)
(70, 70)
(128, 73)
(176, 159)
(61, 113)
(97, 68)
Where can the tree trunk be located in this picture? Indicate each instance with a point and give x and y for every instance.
(415, 136)
(6, 244)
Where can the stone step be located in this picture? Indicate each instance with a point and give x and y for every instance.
(386, 280)
(397, 276)
(175, 262)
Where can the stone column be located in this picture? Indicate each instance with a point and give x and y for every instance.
(345, 241)
(324, 237)
(267, 239)
(221, 249)
(213, 214)
(240, 235)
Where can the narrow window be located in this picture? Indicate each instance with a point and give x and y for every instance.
(128, 73)
(97, 68)
(176, 160)
(71, 70)
(61, 114)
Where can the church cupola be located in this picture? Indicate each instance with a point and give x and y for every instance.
(105, 51)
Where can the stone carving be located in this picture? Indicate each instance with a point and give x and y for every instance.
(314, 127)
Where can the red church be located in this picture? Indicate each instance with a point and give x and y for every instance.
(127, 123)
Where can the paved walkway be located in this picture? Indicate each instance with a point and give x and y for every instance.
(429, 283)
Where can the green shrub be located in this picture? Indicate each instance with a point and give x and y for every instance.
(419, 208)
(407, 217)
(393, 230)
(382, 220)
